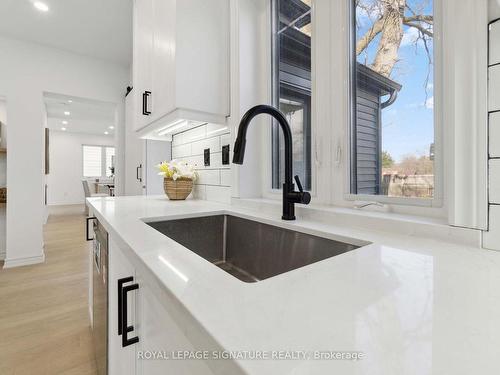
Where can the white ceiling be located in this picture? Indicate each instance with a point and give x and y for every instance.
(86, 116)
(96, 28)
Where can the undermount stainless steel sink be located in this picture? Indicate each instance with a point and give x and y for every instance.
(247, 249)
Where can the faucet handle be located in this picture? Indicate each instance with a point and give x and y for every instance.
(299, 185)
(303, 196)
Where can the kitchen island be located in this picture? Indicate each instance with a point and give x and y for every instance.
(398, 304)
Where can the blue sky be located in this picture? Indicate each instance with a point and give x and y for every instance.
(408, 125)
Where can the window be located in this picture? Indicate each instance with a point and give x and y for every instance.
(110, 161)
(97, 161)
(392, 101)
(92, 161)
(292, 86)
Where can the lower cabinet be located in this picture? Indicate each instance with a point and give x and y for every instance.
(121, 360)
(163, 346)
(161, 342)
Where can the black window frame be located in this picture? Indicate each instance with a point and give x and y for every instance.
(293, 83)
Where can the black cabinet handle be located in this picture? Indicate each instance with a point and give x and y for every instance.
(125, 327)
(137, 175)
(120, 288)
(87, 237)
(145, 105)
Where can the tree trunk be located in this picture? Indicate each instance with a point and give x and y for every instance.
(391, 36)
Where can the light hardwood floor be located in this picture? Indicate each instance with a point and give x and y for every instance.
(44, 324)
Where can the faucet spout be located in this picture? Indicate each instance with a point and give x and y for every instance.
(290, 196)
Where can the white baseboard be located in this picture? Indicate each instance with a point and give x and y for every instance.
(19, 262)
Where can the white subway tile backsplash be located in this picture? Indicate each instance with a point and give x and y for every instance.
(494, 39)
(214, 181)
(491, 238)
(196, 160)
(220, 194)
(225, 140)
(194, 134)
(215, 161)
(199, 146)
(208, 177)
(216, 129)
(493, 92)
(494, 181)
(494, 135)
(199, 192)
(181, 151)
(225, 177)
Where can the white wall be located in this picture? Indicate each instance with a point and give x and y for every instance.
(2, 231)
(27, 71)
(250, 85)
(66, 165)
(3, 143)
(3, 177)
(214, 181)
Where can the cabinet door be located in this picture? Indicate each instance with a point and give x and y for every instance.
(163, 60)
(121, 361)
(143, 54)
(159, 333)
(134, 146)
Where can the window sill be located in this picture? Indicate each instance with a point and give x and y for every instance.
(400, 224)
(400, 201)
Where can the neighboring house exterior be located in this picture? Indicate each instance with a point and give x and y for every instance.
(293, 88)
(367, 135)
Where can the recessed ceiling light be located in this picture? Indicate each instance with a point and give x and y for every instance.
(63, 129)
(64, 122)
(111, 127)
(42, 7)
(106, 133)
(67, 113)
(70, 101)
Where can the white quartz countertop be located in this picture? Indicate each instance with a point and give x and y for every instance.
(411, 305)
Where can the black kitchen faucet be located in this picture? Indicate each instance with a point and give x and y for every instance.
(290, 196)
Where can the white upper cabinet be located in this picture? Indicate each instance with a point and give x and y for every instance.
(181, 64)
(143, 55)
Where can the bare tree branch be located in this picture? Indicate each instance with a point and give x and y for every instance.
(420, 28)
(420, 18)
(392, 34)
(364, 41)
(390, 19)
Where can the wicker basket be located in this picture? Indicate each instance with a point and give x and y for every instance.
(3, 195)
(178, 189)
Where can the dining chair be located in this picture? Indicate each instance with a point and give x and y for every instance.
(88, 194)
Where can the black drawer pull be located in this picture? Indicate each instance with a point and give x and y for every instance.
(125, 327)
(138, 176)
(87, 237)
(145, 104)
(120, 287)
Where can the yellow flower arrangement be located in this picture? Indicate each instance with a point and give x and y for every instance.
(176, 169)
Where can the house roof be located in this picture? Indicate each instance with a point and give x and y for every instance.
(376, 82)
